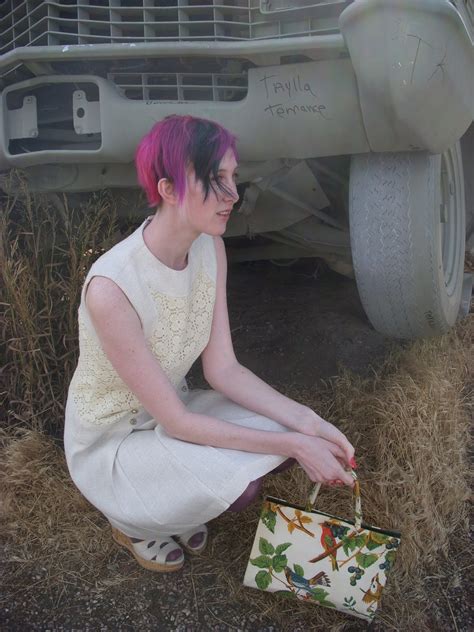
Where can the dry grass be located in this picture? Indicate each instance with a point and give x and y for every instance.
(410, 426)
(46, 249)
(409, 423)
(42, 510)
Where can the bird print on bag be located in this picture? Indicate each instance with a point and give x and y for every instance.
(374, 593)
(301, 583)
(329, 544)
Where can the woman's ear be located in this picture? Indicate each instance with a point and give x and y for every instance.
(166, 190)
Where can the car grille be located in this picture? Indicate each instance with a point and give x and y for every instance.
(66, 22)
(169, 86)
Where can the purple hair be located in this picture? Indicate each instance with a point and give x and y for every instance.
(175, 143)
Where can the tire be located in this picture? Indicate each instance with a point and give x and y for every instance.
(408, 252)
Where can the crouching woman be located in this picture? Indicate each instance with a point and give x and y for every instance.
(158, 460)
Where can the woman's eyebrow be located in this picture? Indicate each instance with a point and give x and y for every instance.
(225, 170)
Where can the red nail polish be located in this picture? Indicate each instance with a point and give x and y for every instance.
(353, 463)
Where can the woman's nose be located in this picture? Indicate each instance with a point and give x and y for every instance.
(232, 193)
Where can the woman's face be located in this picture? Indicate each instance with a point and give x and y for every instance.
(210, 216)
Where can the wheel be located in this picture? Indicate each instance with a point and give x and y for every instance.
(407, 223)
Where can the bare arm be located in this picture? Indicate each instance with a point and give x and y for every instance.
(121, 336)
(226, 375)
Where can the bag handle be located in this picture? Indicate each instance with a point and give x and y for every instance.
(357, 501)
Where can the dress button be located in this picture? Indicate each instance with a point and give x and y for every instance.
(134, 411)
(133, 421)
(184, 389)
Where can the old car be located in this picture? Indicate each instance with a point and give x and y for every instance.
(354, 120)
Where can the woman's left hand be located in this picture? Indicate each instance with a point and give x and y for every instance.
(316, 426)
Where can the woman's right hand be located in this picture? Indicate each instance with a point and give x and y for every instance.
(321, 459)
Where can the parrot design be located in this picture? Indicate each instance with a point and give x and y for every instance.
(328, 542)
(300, 583)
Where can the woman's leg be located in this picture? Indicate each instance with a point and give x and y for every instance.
(249, 495)
(284, 466)
(252, 491)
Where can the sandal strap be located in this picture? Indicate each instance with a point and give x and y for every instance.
(156, 550)
(184, 538)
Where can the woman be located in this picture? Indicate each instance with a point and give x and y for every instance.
(155, 458)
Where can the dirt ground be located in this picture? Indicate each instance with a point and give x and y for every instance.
(292, 326)
(299, 324)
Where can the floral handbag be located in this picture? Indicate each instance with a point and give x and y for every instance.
(317, 557)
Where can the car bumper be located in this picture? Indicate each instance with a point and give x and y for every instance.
(399, 78)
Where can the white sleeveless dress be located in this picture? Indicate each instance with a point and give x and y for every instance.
(143, 480)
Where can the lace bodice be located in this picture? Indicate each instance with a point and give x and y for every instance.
(175, 309)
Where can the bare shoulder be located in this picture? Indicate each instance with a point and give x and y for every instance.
(220, 250)
(221, 263)
(104, 295)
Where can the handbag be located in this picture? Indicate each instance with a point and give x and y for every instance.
(310, 555)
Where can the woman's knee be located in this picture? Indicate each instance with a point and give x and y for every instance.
(284, 466)
(253, 489)
(249, 495)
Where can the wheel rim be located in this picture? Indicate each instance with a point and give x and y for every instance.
(451, 220)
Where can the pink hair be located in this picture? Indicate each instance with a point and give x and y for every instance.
(175, 143)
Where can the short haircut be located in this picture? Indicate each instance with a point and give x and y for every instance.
(175, 143)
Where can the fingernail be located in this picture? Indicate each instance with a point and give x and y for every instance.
(353, 463)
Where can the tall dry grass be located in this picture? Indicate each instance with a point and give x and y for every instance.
(409, 423)
(46, 249)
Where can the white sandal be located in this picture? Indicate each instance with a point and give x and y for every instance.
(152, 554)
(194, 547)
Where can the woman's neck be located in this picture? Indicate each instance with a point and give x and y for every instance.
(168, 239)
